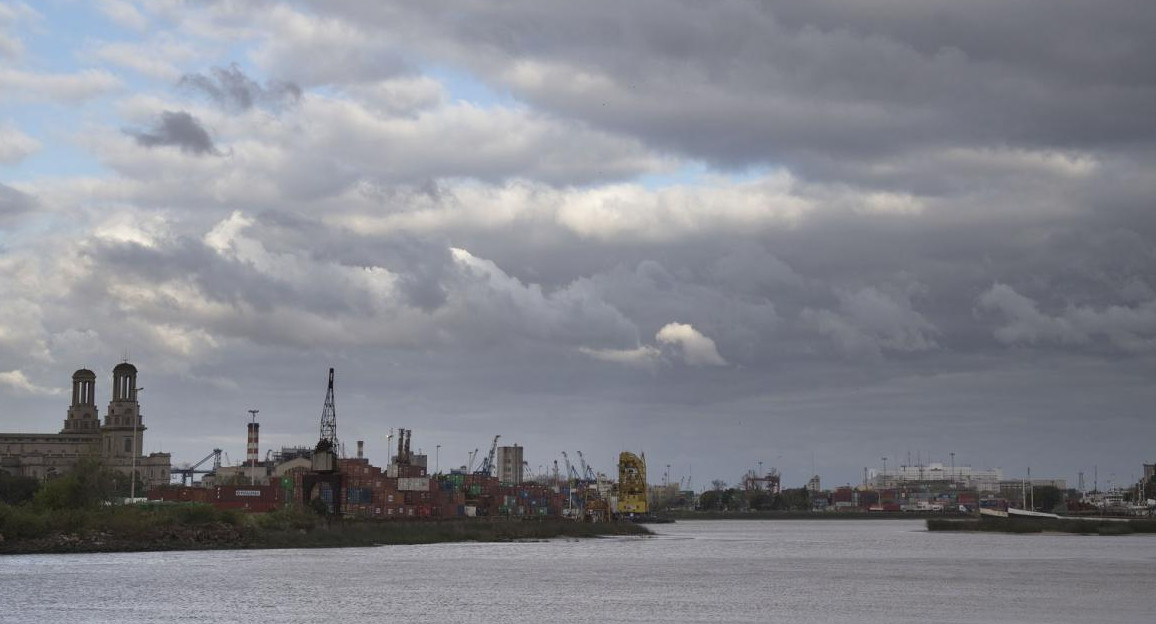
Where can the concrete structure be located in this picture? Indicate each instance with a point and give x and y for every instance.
(510, 465)
(116, 443)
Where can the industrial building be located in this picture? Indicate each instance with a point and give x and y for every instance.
(960, 477)
(510, 464)
(116, 442)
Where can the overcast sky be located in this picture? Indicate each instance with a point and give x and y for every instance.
(799, 233)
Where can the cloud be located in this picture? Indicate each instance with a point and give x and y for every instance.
(177, 129)
(871, 321)
(11, 46)
(67, 88)
(685, 343)
(233, 90)
(644, 356)
(157, 57)
(806, 85)
(314, 49)
(16, 380)
(1128, 328)
(696, 349)
(15, 145)
(13, 204)
(124, 13)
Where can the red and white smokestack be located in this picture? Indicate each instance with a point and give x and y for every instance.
(361, 449)
(252, 452)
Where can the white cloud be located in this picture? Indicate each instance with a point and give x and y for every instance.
(17, 381)
(124, 13)
(697, 349)
(644, 356)
(69, 88)
(684, 341)
(156, 58)
(15, 145)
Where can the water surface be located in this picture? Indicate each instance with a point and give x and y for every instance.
(871, 571)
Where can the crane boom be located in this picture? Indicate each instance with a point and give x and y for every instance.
(329, 416)
(487, 467)
(587, 471)
(187, 474)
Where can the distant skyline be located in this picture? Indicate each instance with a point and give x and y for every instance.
(801, 233)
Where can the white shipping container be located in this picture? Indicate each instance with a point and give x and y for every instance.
(413, 484)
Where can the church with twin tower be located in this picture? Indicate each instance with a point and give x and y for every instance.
(115, 442)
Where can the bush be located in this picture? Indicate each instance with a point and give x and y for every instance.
(15, 490)
(196, 513)
(22, 523)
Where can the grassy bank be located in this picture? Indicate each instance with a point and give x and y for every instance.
(26, 530)
(1024, 525)
(807, 515)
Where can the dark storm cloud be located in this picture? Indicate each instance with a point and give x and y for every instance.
(231, 89)
(740, 82)
(177, 129)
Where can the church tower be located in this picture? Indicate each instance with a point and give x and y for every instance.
(123, 417)
(82, 414)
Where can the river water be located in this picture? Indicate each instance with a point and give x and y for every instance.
(706, 571)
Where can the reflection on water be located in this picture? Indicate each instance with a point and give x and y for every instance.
(721, 571)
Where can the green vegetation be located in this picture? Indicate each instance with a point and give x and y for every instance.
(15, 490)
(1045, 525)
(193, 526)
(734, 499)
(75, 513)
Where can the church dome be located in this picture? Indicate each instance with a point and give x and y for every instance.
(124, 368)
(84, 375)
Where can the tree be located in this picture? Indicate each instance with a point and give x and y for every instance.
(798, 499)
(1047, 497)
(88, 485)
(15, 489)
(761, 500)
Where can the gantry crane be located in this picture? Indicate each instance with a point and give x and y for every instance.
(187, 474)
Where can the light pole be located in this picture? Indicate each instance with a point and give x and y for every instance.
(437, 459)
(132, 474)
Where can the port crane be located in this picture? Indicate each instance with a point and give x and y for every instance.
(487, 467)
(571, 472)
(587, 471)
(187, 474)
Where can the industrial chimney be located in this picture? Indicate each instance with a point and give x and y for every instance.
(252, 451)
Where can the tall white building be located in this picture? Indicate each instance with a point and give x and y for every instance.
(963, 477)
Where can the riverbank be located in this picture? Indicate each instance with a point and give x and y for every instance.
(808, 515)
(201, 527)
(1046, 525)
